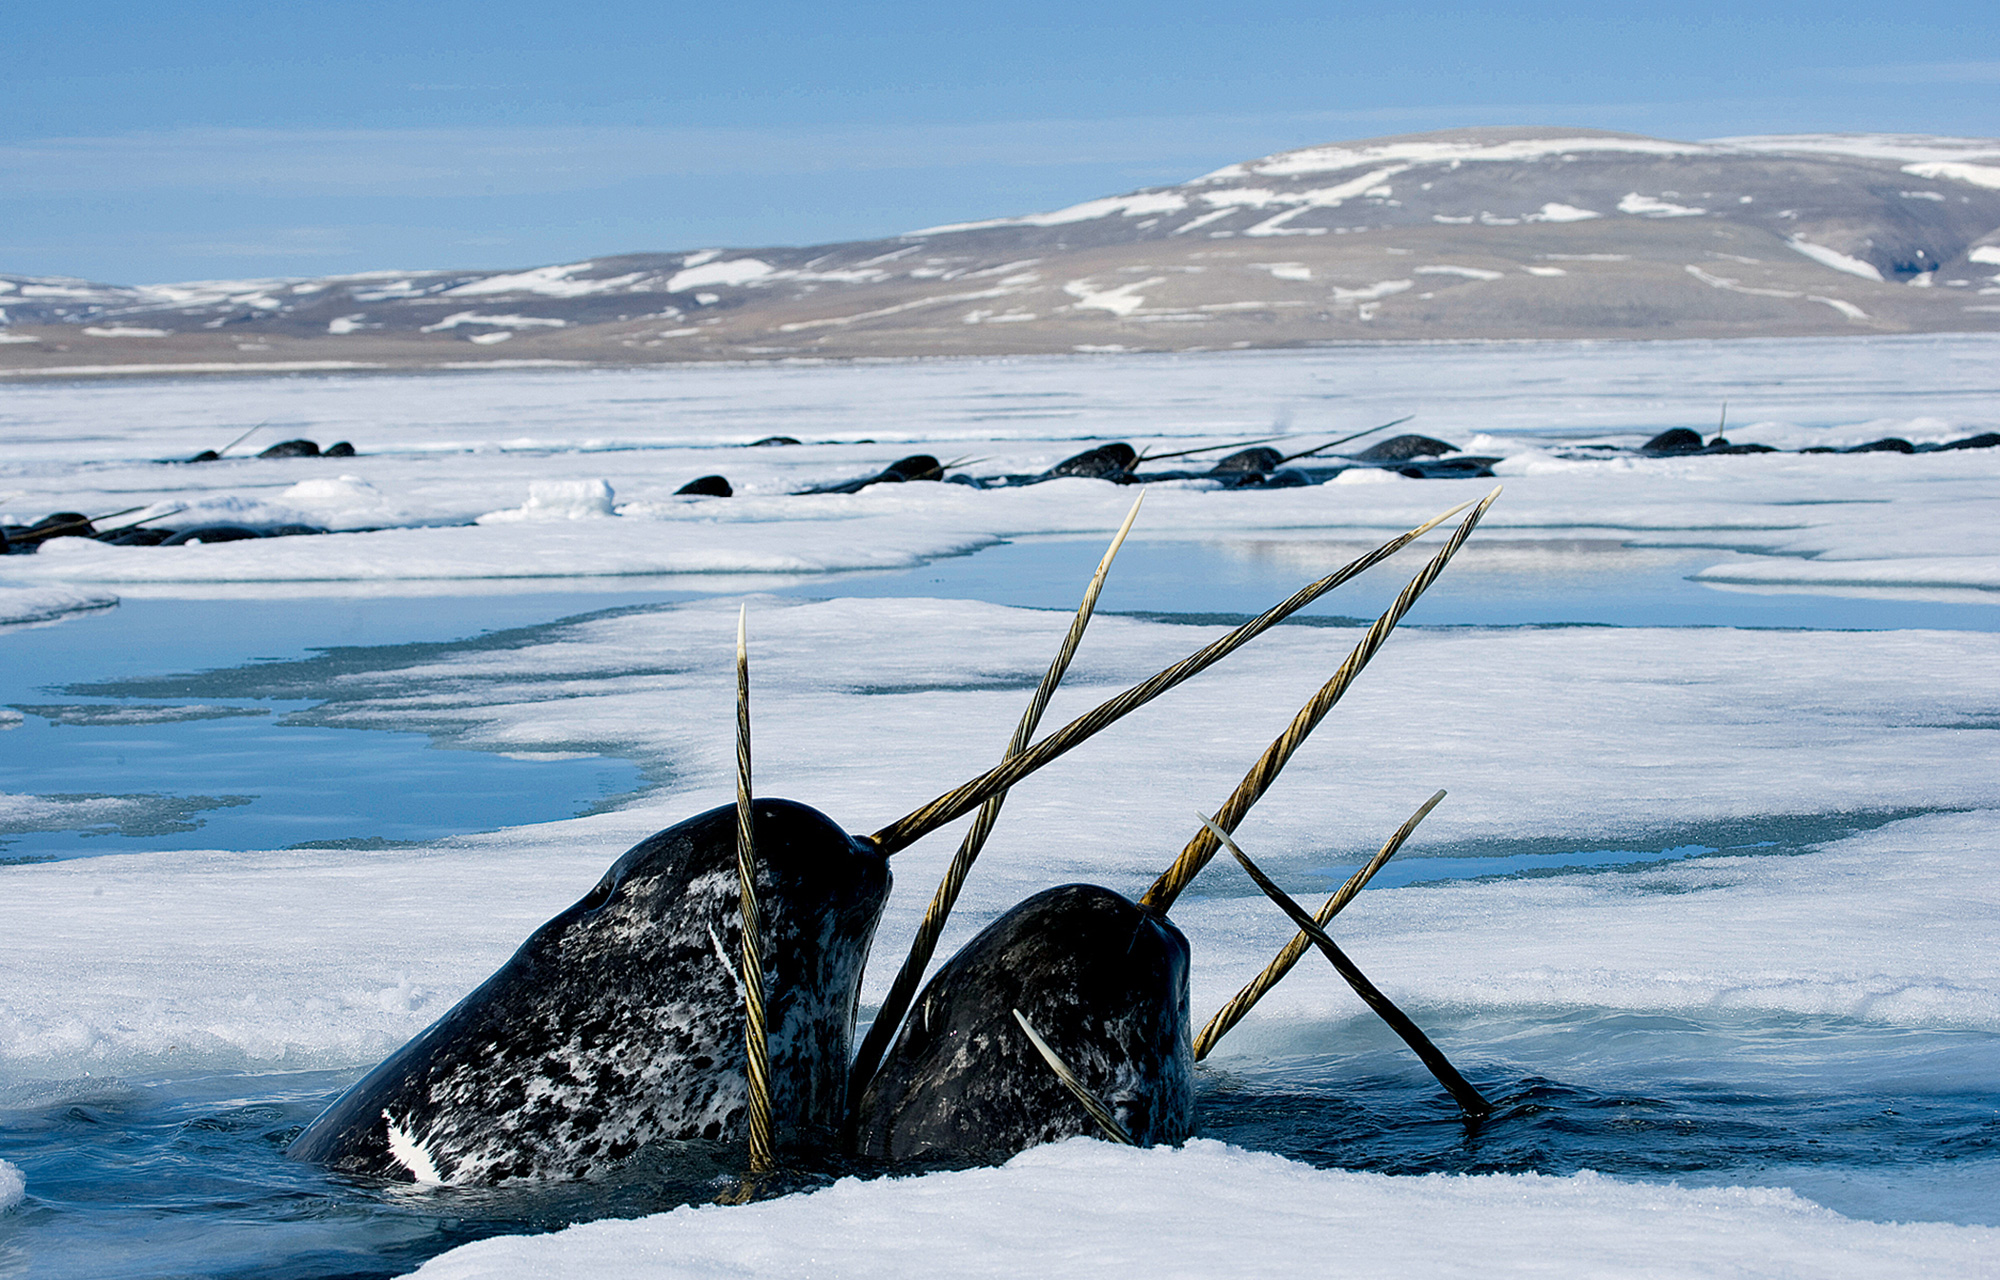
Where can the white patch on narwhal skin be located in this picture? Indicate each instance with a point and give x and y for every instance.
(728, 966)
(410, 1153)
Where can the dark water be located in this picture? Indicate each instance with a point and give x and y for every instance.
(187, 1177)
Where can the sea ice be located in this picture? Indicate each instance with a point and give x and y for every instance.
(1086, 1208)
(1838, 782)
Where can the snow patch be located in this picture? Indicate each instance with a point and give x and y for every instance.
(558, 500)
(1554, 212)
(550, 282)
(1121, 301)
(1139, 205)
(1370, 293)
(1654, 207)
(506, 322)
(123, 331)
(1872, 146)
(1847, 309)
(736, 271)
(1836, 259)
(1335, 158)
(1978, 175)
(1470, 273)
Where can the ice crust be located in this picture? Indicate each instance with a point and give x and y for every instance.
(1085, 1208)
(25, 606)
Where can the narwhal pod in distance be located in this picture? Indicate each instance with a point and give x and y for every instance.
(1102, 979)
(621, 1021)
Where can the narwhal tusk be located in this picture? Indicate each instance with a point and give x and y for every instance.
(755, 1033)
(1243, 1001)
(924, 946)
(1262, 774)
(913, 826)
(1091, 1102)
(1468, 1098)
(1331, 444)
(1145, 455)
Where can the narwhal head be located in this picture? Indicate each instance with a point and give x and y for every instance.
(1102, 978)
(621, 1021)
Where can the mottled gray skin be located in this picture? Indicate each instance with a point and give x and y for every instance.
(1103, 981)
(620, 1022)
(1105, 462)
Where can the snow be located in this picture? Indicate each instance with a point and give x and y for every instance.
(1085, 1209)
(1872, 146)
(122, 331)
(559, 500)
(20, 606)
(1470, 273)
(1835, 258)
(1120, 301)
(1370, 293)
(550, 282)
(15, 338)
(1140, 205)
(735, 271)
(1978, 175)
(458, 318)
(1654, 207)
(1336, 158)
(1555, 212)
(1845, 308)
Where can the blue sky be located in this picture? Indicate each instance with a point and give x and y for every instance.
(164, 141)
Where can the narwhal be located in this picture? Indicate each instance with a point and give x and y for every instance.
(1069, 1013)
(622, 1021)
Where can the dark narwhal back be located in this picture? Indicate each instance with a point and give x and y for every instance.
(1103, 981)
(620, 1021)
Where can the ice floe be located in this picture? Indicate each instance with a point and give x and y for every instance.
(1084, 1208)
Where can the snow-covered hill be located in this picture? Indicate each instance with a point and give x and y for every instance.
(1472, 233)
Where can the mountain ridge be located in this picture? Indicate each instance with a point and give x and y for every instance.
(1496, 232)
